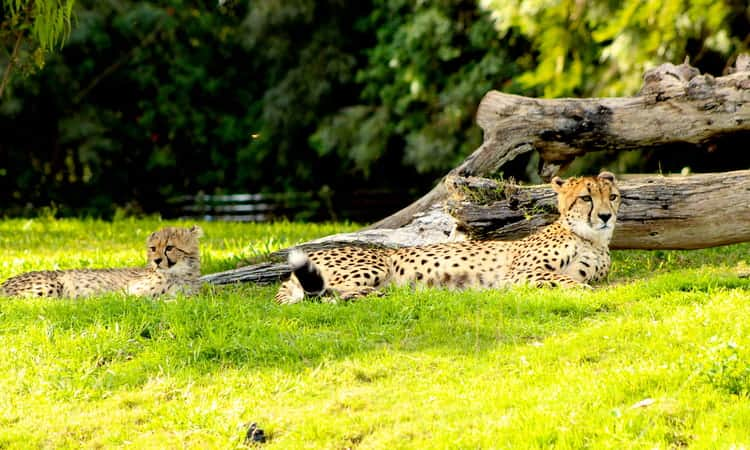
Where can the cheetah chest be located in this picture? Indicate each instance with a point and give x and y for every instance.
(588, 264)
(561, 253)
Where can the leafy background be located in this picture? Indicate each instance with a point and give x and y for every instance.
(150, 100)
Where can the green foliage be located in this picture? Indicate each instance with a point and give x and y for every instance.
(51, 20)
(125, 121)
(151, 100)
(29, 29)
(727, 367)
(602, 48)
(305, 55)
(425, 368)
(420, 86)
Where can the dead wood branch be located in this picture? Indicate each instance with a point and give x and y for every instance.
(675, 105)
(657, 212)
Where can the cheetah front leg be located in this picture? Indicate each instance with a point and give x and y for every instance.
(549, 279)
(556, 279)
(350, 291)
(290, 292)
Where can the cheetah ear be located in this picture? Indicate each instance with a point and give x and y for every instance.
(196, 231)
(557, 183)
(609, 176)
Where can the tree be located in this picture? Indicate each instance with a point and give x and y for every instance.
(422, 78)
(31, 28)
(316, 95)
(601, 48)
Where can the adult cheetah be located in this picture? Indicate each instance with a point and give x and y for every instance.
(174, 266)
(572, 251)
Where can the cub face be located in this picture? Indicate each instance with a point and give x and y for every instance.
(589, 205)
(175, 250)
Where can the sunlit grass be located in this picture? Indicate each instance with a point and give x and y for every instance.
(518, 368)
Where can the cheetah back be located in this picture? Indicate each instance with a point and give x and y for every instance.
(33, 284)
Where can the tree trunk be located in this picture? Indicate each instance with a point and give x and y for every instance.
(676, 105)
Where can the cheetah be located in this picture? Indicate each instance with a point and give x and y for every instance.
(173, 266)
(572, 251)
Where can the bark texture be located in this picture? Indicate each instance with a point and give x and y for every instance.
(676, 105)
(657, 212)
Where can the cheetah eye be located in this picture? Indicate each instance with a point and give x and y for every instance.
(153, 249)
(613, 197)
(585, 198)
(169, 247)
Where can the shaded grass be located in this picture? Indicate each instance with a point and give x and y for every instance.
(516, 368)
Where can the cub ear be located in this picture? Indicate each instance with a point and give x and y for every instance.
(196, 231)
(557, 183)
(609, 176)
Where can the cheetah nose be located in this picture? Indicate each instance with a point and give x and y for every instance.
(605, 217)
(157, 261)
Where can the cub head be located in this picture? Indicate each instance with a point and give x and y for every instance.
(175, 250)
(588, 205)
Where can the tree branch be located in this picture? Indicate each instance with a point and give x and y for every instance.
(11, 61)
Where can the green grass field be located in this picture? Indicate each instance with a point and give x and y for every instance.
(658, 357)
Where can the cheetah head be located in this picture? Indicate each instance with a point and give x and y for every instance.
(588, 205)
(175, 250)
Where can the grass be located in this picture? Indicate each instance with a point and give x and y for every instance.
(658, 357)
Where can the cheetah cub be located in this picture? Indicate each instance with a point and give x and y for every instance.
(173, 266)
(572, 251)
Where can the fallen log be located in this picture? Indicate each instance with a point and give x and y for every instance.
(429, 227)
(676, 105)
(657, 212)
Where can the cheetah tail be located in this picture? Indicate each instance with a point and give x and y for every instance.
(307, 273)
